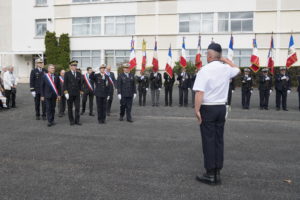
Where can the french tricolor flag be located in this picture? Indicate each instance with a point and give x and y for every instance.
(292, 56)
(198, 62)
(132, 61)
(144, 59)
(155, 59)
(271, 56)
(169, 65)
(230, 49)
(254, 57)
(183, 55)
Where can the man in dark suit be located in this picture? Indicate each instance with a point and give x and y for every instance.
(283, 88)
(50, 92)
(184, 85)
(155, 86)
(247, 88)
(102, 89)
(230, 91)
(62, 102)
(35, 87)
(72, 91)
(143, 84)
(113, 82)
(88, 91)
(265, 89)
(168, 84)
(126, 92)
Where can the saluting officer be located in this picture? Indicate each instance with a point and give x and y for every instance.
(265, 89)
(155, 86)
(50, 92)
(113, 82)
(72, 91)
(63, 100)
(35, 87)
(247, 88)
(102, 91)
(168, 84)
(230, 91)
(282, 86)
(143, 85)
(88, 91)
(184, 84)
(126, 92)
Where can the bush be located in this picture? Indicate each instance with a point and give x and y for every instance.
(64, 51)
(190, 68)
(52, 50)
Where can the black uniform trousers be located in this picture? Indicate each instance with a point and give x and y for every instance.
(183, 96)
(37, 102)
(76, 101)
(101, 108)
(229, 96)
(246, 95)
(62, 104)
(109, 102)
(264, 98)
(50, 108)
(281, 96)
(212, 133)
(168, 96)
(142, 97)
(126, 105)
(10, 98)
(89, 94)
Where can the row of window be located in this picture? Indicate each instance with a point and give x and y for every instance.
(188, 23)
(44, 2)
(92, 58)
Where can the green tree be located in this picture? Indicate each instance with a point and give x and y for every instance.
(52, 50)
(64, 52)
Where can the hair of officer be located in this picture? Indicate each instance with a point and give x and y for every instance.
(88, 68)
(213, 55)
(51, 65)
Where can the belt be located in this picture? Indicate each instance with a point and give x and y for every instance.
(213, 104)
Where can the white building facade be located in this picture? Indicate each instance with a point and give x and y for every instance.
(101, 30)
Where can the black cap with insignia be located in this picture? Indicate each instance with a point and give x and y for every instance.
(216, 47)
(73, 62)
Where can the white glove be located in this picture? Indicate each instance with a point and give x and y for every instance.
(232, 91)
(147, 89)
(134, 95)
(119, 96)
(67, 96)
(33, 94)
(289, 91)
(284, 77)
(271, 91)
(159, 89)
(267, 78)
(249, 79)
(251, 91)
(108, 97)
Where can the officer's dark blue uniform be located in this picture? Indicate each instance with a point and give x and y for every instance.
(246, 89)
(184, 85)
(168, 84)
(265, 88)
(143, 84)
(282, 86)
(155, 86)
(113, 82)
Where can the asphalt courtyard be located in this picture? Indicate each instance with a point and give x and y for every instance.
(156, 157)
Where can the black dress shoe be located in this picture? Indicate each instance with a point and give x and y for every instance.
(60, 115)
(121, 119)
(103, 122)
(53, 123)
(44, 118)
(130, 120)
(209, 179)
(277, 109)
(285, 109)
(100, 122)
(49, 124)
(78, 123)
(266, 108)
(218, 176)
(72, 123)
(38, 118)
(82, 113)
(91, 114)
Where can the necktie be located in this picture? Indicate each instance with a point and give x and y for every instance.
(74, 74)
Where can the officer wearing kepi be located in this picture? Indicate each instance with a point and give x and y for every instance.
(155, 86)
(184, 84)
(168, 84)
(247, 88)
(126, 92)
(265, 89)
(88, 91)
(143, 85)
(72, 91)
(35, 87)
(283, 88)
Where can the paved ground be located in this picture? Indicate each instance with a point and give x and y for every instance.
(156, 157)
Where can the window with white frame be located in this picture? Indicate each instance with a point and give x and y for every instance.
(235, 22)
(116, 57)
(120, 25)
(202, 22)
(191, 56)
(40, 27)
(87, 58)
(241, 57)
(86, 26)
(40, 2)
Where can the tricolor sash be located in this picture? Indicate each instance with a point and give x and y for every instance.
(87, 80)
(61, 79)
(52, 83)
(110, 80)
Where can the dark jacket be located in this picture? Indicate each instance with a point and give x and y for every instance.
(72, 85)
(36, 79)
(126, 85)
(247, 83)
(61, 85)
(102, 85)
(169, 82)
(155, 81)
(84, 87)
(192, 81)
(47, 90)
(113, 84)
(265, 84)
(184, 81)
(142, 83)
(298, 83)
(232, 84)
(282, 84)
